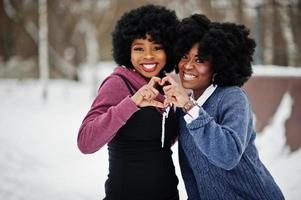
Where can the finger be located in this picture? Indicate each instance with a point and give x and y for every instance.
(154, 91)
(168, 79)
(168, 98)
(142, 90)
(152, 103)
(151, 92)
(153, 82)
(164, 80)
(170, 93)
(166, 102)
(167, 88)
(174, 99)
(145, 94)
(156, 104)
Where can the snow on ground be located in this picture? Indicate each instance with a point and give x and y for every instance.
(39, 158)
(271, 70)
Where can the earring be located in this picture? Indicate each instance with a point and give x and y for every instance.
(213, 77)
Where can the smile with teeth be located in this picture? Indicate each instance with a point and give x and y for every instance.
(188, 76)
(149, 67)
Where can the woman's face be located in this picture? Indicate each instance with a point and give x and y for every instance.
(147, 57)
(194, 73)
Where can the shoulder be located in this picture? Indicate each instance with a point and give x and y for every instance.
(232, 95)
(229, 89)
(113, 88)
(232, 104)
(111, 83)
(232, 92)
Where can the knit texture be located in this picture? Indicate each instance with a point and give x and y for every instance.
(110, 110)
(217, 154)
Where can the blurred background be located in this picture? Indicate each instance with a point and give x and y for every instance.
(79, 31)
(55, 53)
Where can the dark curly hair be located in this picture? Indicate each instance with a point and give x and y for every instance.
(156, 21)
(191, 30)
(229, 49)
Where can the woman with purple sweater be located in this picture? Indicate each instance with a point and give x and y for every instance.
(127, 113)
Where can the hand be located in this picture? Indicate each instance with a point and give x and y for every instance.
(174, 93)
(146, 95)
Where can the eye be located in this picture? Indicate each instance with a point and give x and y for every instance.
(158, 48)
(200, 59)
(137, 49)
(184, 57)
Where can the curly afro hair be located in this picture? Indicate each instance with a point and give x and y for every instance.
(230, 51)
(156, 21)
(191, 30)
(226, 45)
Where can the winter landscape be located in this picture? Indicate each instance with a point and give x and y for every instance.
(39, 158)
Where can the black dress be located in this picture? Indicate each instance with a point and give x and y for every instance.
(139, 168)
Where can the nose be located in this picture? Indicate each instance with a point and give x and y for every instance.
(189, 64)
(148, 55)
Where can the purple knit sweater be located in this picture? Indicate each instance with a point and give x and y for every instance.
(110, 110)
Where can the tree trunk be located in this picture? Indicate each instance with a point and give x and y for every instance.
(43, 47)
(268, 50)
(240, 12)
(287, 32)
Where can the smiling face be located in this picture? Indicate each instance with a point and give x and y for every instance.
(194, 73)
(147, 57)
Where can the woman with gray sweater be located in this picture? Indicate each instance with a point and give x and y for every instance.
(217, 154)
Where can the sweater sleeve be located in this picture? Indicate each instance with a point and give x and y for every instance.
(110, 110)
(223, 143)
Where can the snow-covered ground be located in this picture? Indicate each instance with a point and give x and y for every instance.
(39, 158)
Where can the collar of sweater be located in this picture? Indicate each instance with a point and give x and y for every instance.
(206, 94)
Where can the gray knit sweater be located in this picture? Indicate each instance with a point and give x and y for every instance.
(217, 154)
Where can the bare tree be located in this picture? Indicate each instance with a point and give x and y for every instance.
(79, 30)
(184, 8)
(268, 50)
(43, 47)
(240, 14)
(29, 26)
(286, 28)
(95, 19)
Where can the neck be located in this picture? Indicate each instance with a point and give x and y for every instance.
(197, 93)
(145, 78)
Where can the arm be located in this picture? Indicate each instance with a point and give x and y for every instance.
(109, 112)
(223, 143)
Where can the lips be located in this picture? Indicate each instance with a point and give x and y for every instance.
(149, 67)
(188, 77)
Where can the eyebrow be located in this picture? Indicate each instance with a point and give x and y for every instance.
(194, 55)
(137, 43)
(142, 44)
